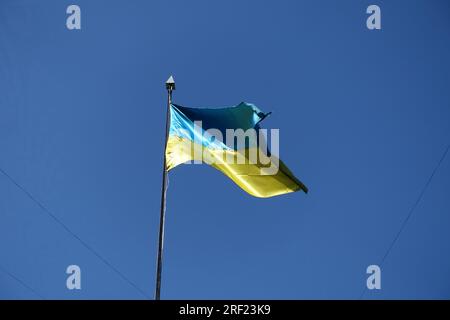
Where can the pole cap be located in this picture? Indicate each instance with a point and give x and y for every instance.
(170, 83)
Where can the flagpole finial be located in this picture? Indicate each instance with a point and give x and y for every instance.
(170, 83)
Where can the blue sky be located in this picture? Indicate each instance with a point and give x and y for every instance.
(363, 118)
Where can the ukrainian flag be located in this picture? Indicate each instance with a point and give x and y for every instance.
(205, 142)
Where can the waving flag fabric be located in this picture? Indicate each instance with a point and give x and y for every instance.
(199, 135)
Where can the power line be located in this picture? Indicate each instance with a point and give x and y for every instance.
(411, 211)
(415, 204)
(73, 234)
(21, 282)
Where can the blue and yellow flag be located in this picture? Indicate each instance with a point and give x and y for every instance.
(230, 140)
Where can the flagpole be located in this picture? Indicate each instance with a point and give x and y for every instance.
(170, 86)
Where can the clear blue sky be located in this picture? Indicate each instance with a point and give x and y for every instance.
(363, 117)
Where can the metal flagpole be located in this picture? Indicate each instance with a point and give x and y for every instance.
(170, 86)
